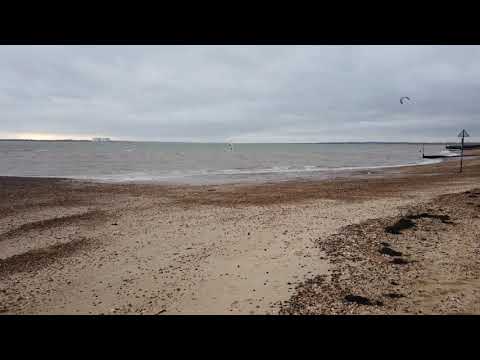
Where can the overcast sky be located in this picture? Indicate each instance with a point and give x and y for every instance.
(240, 93)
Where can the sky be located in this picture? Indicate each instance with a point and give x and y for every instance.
(240, 93)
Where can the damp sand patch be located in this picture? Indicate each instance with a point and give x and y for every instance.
(37, 259)
(93, 215)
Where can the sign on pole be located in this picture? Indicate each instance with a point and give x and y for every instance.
(463, 134)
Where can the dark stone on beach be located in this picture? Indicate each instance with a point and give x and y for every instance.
(389, 251)
(358, 300)
(400, 225)
(114, 224)
(400, 261)
(394, 295)
(442, 218)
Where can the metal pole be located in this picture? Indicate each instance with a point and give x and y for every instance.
(461, 158)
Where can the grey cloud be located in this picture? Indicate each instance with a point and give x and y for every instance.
(245, 93)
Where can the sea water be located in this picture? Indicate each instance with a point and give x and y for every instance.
(120, 161)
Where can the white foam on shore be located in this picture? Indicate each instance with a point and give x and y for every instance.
(449, 153)
(142, 177)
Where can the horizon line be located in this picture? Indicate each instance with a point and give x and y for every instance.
(240, 142)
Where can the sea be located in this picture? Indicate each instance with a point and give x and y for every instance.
(202, 163)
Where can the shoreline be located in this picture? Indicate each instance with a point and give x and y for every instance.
(73, 247)
(250, 177)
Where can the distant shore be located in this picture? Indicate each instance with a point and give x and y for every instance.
(73, 247)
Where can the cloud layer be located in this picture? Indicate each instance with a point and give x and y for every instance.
(240, 93)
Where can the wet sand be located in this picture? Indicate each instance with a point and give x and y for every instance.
(295, 247)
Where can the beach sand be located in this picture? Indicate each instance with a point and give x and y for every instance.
(295, 247)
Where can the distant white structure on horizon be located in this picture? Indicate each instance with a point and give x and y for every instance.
(101, 139)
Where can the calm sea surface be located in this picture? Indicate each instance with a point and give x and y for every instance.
(199, 163)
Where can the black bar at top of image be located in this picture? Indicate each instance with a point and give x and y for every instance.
(400, 23)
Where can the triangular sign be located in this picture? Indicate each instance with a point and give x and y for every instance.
(463, 133)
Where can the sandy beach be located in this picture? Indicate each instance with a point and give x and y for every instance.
(394, 241)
